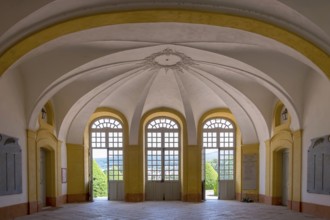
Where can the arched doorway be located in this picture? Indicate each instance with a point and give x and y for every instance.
(107, 155)
(163, 150)
(218, 159)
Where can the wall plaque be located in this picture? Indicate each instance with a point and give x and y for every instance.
(318, 167)
(249, 171)
(10, 166)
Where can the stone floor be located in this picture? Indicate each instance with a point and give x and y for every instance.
(212, 209)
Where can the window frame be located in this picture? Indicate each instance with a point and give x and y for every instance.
(114, 148)
(226, 148)
(164, 144)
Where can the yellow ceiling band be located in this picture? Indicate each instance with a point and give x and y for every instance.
(305, 47)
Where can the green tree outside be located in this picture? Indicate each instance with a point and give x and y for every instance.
(215, 189)
(214, 163)
(211, 176)
(99, 181)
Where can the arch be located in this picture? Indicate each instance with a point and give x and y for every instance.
(303, 46)
(253, 117)
(105, 112)
(226, 114)
(218, 123)
(163, 150)
(177, 117)
(277, 122)
(50, 117)
(43, 139)
(107, 141)
(219, 113)
(164, 112)
(283, 139)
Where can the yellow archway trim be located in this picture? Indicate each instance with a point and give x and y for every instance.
(308, 49)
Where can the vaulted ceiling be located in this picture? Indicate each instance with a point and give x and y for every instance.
(191, 67)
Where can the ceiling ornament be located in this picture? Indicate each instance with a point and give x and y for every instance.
(168, 59)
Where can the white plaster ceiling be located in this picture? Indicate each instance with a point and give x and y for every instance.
(187, 67)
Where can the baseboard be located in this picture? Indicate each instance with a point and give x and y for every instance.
(77, 198)
(192, 197)
(238, 196)
(56, 201)
(134, 197)
(62, 199)
(269, 200)
(32, 207)
(316, 210)
(14, 211)
(262, 198)
(294, 205)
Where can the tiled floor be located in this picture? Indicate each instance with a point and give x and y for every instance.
(212, 209)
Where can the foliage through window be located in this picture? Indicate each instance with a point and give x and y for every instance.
(219, 133)
(107, 133)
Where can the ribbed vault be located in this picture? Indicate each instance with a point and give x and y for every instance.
(191, 68)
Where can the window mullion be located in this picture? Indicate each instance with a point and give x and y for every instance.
(219, 150)
(108, 162)
(163, 155)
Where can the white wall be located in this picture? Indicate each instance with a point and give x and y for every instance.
(13, 123)
(64, 165)
(316, 123)
(262, 168)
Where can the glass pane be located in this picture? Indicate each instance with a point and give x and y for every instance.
(106, 123)
(226, 164)
(98, 140)
(162, 123)
(115, 164)
(154, 168)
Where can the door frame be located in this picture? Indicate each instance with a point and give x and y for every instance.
(106, 130)
(152, 183)
(218, 131)
(50, 177)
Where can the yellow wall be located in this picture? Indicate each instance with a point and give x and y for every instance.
(133, 171)
(75, 169)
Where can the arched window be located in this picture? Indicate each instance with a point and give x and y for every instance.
(219, 133)
(107, 136)
(162, 150)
